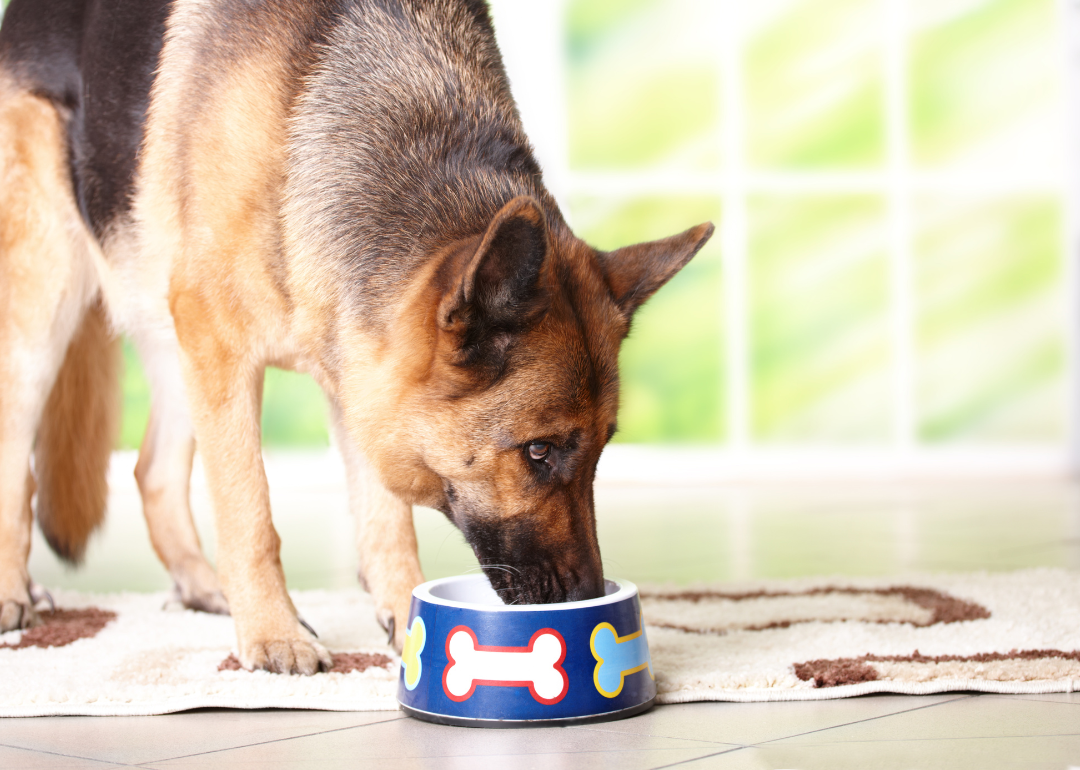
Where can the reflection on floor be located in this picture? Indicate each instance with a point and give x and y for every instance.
(648, 533)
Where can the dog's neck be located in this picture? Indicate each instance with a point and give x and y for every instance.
(416, 165)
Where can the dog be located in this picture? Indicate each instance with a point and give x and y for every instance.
(337, 187)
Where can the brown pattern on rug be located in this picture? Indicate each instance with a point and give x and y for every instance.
(344, 662)
(834, 673)
(60, 628)
(936, 607)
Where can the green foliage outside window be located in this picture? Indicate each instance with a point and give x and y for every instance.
(983, 96)
(818, 319)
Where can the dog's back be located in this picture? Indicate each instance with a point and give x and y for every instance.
(95, 61)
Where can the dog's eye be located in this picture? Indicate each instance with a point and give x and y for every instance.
(539, 451)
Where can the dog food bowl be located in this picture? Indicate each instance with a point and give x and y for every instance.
(471, 660)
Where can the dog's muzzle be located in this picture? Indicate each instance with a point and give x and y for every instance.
(542, 584)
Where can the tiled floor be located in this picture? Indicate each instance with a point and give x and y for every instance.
(956, 731)
(648, 534)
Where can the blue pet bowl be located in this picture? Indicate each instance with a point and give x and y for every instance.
(471, 660)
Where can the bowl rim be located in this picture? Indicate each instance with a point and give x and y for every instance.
(422, 592)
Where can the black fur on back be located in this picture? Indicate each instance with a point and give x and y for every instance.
(95, 59)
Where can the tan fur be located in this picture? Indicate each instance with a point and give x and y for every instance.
(163, 471)
(75, 438)
(46, 283)
(163, 474)
(385, 538)
(216, 232)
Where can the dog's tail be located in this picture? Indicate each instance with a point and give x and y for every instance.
(75, 438)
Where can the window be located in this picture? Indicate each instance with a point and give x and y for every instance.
(888, 179)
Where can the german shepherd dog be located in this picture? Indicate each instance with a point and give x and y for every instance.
(338, 187)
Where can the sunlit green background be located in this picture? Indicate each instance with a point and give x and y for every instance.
(983, 98)
(644, 84)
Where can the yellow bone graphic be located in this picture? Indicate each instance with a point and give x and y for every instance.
(410, 654)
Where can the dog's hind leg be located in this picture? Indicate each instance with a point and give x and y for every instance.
(164, 475)
(385, 540)
(47, 282)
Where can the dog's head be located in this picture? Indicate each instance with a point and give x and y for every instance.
(518, 392)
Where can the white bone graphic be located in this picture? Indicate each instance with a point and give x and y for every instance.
(538, 666)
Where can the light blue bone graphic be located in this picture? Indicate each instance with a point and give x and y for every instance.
(617, 657)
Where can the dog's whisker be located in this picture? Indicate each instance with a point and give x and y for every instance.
(481, 569)
(500, 569)
(506, 567)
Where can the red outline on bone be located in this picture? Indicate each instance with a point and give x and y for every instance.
(477, 647)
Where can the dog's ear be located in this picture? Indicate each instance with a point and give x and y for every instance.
(634, 273)
(500, 286)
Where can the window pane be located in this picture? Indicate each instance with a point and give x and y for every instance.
(813, 86)
(985, 84)
(990, 319)
(644, 89)
(819, 319)
(671, 364)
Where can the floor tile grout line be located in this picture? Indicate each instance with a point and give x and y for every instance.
(1037, 699)
(887, 740)
(698, 759)
(945, 738)
(148, 765)
(594, 729)
(272, 740)
(559, 752)
(67, 756)
(783, 738)
(868, 719)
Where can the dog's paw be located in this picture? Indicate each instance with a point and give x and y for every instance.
(204, 601)
(17, 600)
(197, 588)
(287, 656)
(395, 622)
(17, 614)
(386, 619)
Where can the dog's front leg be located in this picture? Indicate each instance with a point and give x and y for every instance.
(385, 541)
(225, 392)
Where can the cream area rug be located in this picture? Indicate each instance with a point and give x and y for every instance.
(772, 640)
